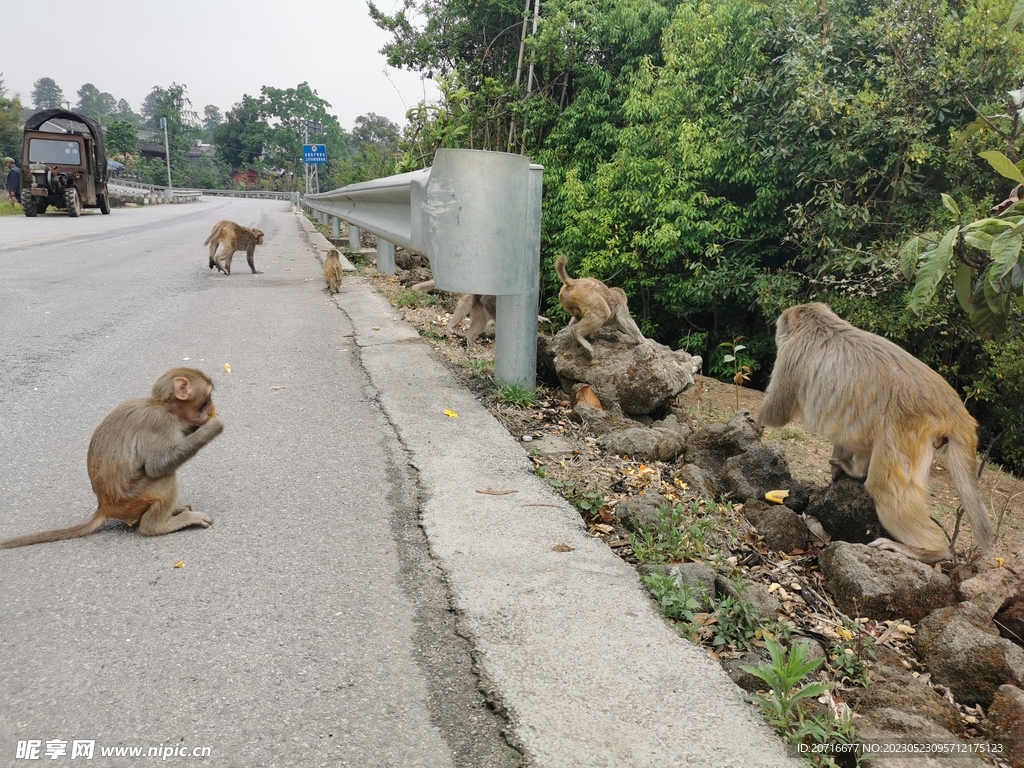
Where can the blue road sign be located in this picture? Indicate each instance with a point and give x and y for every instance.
(314, 154)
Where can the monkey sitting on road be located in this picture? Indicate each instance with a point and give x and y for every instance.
(886, 413)
(592, 305)
(233, 237)
(333, 271)
(134, 455)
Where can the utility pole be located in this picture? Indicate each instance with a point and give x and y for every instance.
(167, 157)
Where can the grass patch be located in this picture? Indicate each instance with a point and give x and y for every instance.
(410, 298)
(515, 394)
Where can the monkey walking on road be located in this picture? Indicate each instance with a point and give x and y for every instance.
(232, 237)
(886, 414)
(333, 271)
(135, 453)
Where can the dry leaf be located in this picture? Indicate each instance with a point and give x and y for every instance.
(227, 368)
(586, 395)
(180, 564)
(492, 492)
(602, 528)
(277, 388)
(563, 548)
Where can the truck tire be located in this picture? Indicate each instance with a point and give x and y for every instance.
(72, 200)
(103, 203)
(28, 205)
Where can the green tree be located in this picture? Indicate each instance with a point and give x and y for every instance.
(183, 127)
(10, 125)
(46, 94)
(212, 117)
(124, 112)
(240, 138)
(122, 137)
(95, 103)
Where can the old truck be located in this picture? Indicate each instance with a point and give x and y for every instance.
(63, 164)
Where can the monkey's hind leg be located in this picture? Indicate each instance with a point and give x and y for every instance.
(249, 256)
(165, 516)
(901, 501)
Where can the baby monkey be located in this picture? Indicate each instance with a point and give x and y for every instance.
(332, 271)
(134, 455)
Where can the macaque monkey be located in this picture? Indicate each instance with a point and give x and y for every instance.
(233, 237)
(481, 308)
(592, 305)
(134, 455)
(332, 271)
(886, 413)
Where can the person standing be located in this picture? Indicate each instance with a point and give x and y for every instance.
(13, 180)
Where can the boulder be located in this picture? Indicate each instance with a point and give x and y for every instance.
(846, 511)
(866, 581)
(640, 379)
(662, 441)
(759, 469)
(963, 651)
(781, 528)
(1006, 722)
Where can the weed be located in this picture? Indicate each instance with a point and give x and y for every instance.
(847, 660)
(785, 676)
(588, 500)
(515, 394)
(676, 601)
(431, 336)
(477, 367)
(789, 433)
(680, 533)
(412, 298)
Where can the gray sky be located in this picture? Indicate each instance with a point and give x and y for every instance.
(218, 49)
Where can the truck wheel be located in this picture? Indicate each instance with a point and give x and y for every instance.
(73, 202)
(104, 205)
(28, 205)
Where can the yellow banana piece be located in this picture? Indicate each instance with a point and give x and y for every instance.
(777, 497)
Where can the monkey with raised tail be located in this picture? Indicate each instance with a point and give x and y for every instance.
(592, 305)
(886, 413)
(232, 237)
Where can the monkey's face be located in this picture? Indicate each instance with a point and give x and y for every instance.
(259, 236)
(197, 410)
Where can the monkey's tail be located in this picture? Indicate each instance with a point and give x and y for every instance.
(560, 269)
(213, 233)
(424, 287)
(91, 525)
(961, 460)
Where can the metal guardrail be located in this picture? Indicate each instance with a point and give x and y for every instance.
(248, 193)
(476, 216)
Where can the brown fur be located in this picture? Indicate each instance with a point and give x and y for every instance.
(333, 271)
(592, 305)
(135, 453)
(233, 237)
(480, 308)
(886, 413)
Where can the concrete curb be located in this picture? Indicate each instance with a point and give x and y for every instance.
(568, 644)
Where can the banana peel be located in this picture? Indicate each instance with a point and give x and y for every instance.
(777, 497)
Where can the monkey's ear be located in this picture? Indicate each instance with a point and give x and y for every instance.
(182, 388)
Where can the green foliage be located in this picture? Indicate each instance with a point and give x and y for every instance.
(10, 126)
(782, 706)
(515, 394)
(121, 137)
(676, 601)
(588, 499)
(46, 94)
(681, 533)
(411, 298)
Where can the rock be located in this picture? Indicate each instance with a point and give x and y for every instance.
(409, 277)
(897, 725)
(640, 378)
(759, 469)
(846, 511)
(883, 585)
(406, 260)
(1006, 721)
(990, 589)
(757, 596)
(963, 651)
(662, 441)
(781, 528)
(894, 687)
(1009, 619)
(642, 511)
(815, 650)
(697, 578)
(714, 443)
(742, 678)
(601, 421)
(697, 482)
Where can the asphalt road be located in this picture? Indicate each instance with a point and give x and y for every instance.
(362, 589)
(307, 626)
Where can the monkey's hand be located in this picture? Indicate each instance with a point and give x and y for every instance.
(213, 427)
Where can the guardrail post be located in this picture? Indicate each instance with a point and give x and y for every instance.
(335, 227)
(355, 237)
(385, 256)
